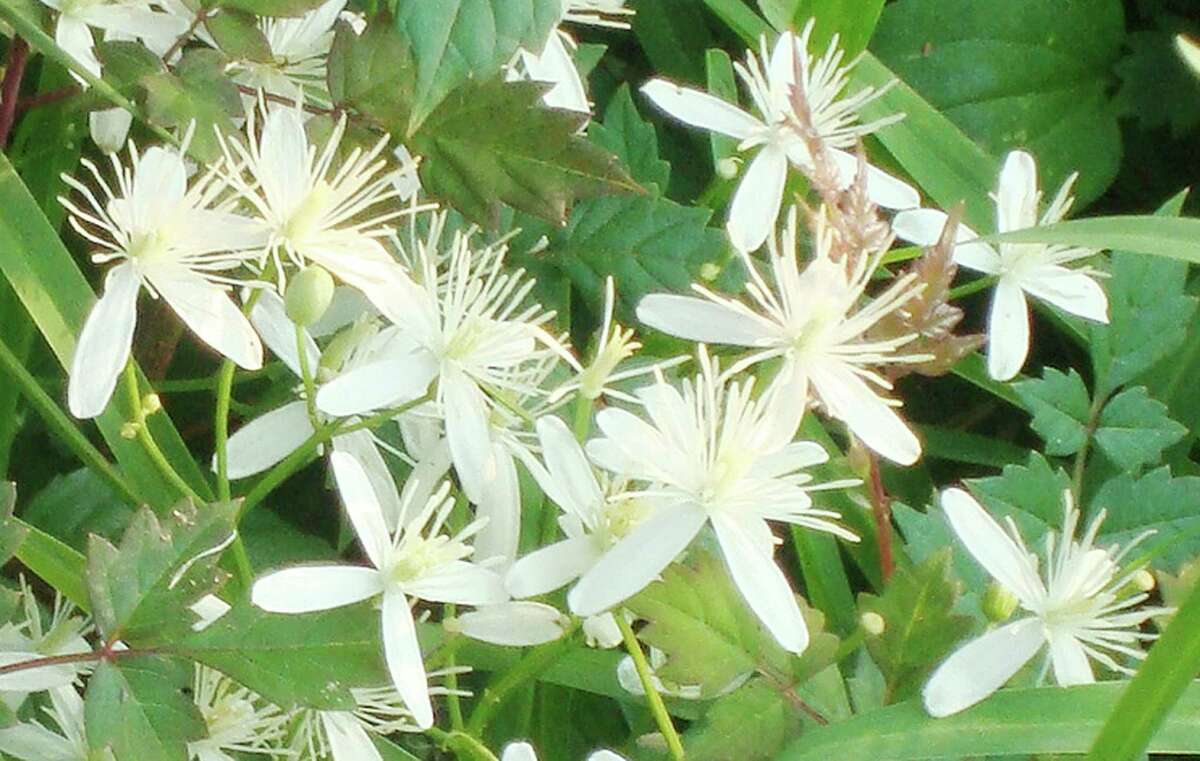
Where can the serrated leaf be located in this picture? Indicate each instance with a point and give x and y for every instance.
(372, 73)
(454, 41)
(284, 8)
(495, 143)
(749, 724)
(1061, 408)
(142, 709)
(198, 91)
(1034, 489)
(921, 628)
(140, 591)
(1134, 429)
(125, 64)
(1157, 88)
(310, 659)
(239, 36)
(632, 139)
(1155, 501)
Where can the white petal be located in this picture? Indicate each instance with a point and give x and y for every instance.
(513, 624)
(789, 459)
(1069, 290)
(501, 506)
(34, 679)
(699, 109)
(109, 128)
(362, 507)
(1017, 196)
(159, 184)
(104, 344)
(569, 469)
(636, 560)
(361, 446)
(756, 202)
(73, 36)
(982, 666)
(303, 589)
(270, 318)
(762, 584)
(467, 432)
(264, 441)
(1008, 330)
(556, 66)
(849, 399)
(701, 320)
(1070, 660)
(210, 313)
(209, 609)
(550, 567)
(33, 742)
(377, 386)
(404, 660)
(518, 752)
(347, 738)
(991, 545)
(924, 228)
(284, 160)
(461, 583)
(882, 188)
(605, 755)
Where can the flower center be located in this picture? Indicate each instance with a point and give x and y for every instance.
(309, 215)
(620, 346)
(228, 716)
(149, 247)
(622, 517)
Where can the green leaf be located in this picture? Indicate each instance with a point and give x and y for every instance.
(1021, 722)
(1061, 408)
(751, 723)
(528, 156)
(1034, 489)
(125, 65)
(1157, 88)
(1170, 237)
(1134, 429)
(674, 35)
(455, 41)
(142, 709)
(1054, 103)
(372, 73)
(285, 8)
(12, 532)
(239, 36)
(56, 564)
(917, 607)
(853, 21)
(197, 92)
(1156, 500)
(629, 137)
(310, 659)
(73, 506)
(140, 592)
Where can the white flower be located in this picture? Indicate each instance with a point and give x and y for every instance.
(758, 199)
(315, 208)
(417, 561)
(809, 318)
(174, 240)
(1021, 268)
(710, 454)
(30, 741)
(1083, 608)
(523, 751)
(128, 19)
(299, 51)
(29, 638)
(511, 624)
(238, 720)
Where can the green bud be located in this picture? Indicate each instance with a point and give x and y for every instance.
(872, 623)
(727, 168)
(308, 295)
(998, 603)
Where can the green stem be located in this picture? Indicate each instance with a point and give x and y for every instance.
(453, 703)
(147, 439)
(221, 428)
(463, 745)
(60, 424)
(975, 286)
(657, 707)
(1081, 456)
(528, 668)
(583, 417)
(306, 374)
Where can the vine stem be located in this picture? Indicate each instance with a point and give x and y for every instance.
(10, 89)
(306, 375)
(657, 707)
(147, 439)
(200, 17)
(59, 660)
(1081, 456)
(463, 744)
(881, 510)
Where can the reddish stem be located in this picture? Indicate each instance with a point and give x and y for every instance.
(10, 89)
(48, 97)
(881, 509)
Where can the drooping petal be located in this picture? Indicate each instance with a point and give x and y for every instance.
(757, 200)
(699, 109)
(513, 624)
(1069, 290)
(501, 506)
(882, 188)
(1017, 195)
(269, 317)
(404, 660)
(361, 446)
(550, 567)
(347, 738)
(701, 320)
(924, 228)
(210, 313)
(459, 582)
(362, 507)
(104, 344)
(636, 560)
(377, 385)
(306, 588)
(982, 666)
(991, 545)
(849, 399)
(1069, 660)
(467, 432)
(762, 584)
(264, 441)
(1008, 330)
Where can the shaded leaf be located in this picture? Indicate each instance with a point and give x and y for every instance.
(1061, 409)
(749, 724)
(1154, 501)
(372, 73)
(142, 709)
(239, 36)
(1134, 429)
(1034, 489)
(198, 91)
(629, 137)
(1157, 88)
(284, 8)
(12, 532)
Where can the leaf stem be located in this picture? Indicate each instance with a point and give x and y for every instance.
(60, 660)
(1089, 430)
(453, 703)
(147, 439)
(657, 707)
(200, 17)
(881, 510)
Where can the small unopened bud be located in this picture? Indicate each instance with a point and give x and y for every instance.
(727, 168)
(308, 295)
(872, 623)
(151, 403)
(998, 603)
(130, 430)
(1143, 580)
(452, 625)
(709, 271)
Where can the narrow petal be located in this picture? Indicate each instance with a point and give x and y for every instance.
(546, 569)
(377, 386)
(1069, 290)
(569, 467)
(267, 439)
(361, 446)
(461, 583)
(1017, 196)
(1070, 660)
(636, 560)
(1008, 331)
(756, 202)
(104, 344)
(404, 660)
(924, 228)
(849, 399)
(210, 313)
(306, 588)
(697, 319)
(699, 109)
(991, 545)
(981, 667)
(513, 624)
(467, 432)
(501, 506)
(882, 188)
(362, 507)
(347, 738)
(73, 36)
(762, 584)
(269, 317)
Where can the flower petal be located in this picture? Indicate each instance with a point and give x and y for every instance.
(1070, 660)
(762, 584)
(109, 128)
(697, 319)
(29, 741)
(882, 188)
(513, 624)
(347, 738)
(982, 666)
(1008, 330)
(569, 469)
(849, 399)
(377, 385)
(550, 567)
(264, 441)
(555, 65)
(518, 752)
(73, 36)
(1070, 290)
(306, 588)
(1017, 195)
(362, 507)
(699, 109)
(269, 317)
(467, 432)
(991, 545)
(104, 344)
(756, 202)
(501, 506)
(924, 228)
(404, 660)
(361, 446)
(461, 583)
(636, 560)
(209, 312)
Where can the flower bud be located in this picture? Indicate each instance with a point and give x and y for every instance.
(998, 603)
(130, 430)
(727, 168)
(709, 271)
(1143, 580)
(308, 295)
(151, 403)
(872, 623)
